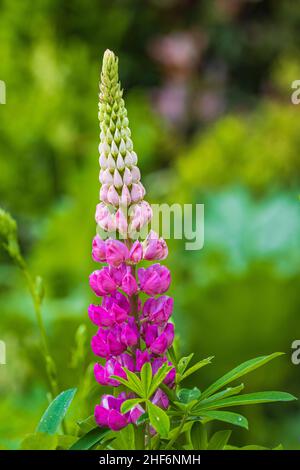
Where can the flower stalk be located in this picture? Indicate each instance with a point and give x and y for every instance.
(130, 332)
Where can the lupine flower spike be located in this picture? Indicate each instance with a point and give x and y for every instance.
(129, 333)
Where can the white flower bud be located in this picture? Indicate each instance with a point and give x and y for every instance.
(118, 182)
(120, 162)
(111, 164)
(127, 177)
(135, 174)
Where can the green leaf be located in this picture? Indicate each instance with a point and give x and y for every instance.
(227, 417)
(184, 362)
(125, 439)
(39, 441)
(133, 382)
(146, 378)
(186, 395)
(218, 396)
(159, 419)
(219, 440)
(128, 404)
(239, 371)
(55, 412)
(87, 424)
(198, 436)
(90, 439)
(159, 377)
(249, 399)
(195, 367)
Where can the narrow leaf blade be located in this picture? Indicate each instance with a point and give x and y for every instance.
(56, 412)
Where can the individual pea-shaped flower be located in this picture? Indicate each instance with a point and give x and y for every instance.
(158, 310)
(107, 343)
(116, 252)
(108, 413)
(113, 366)
(155, 248)
(141, 358)
(102, 317)
(102, 282)
(136, 252)
(158, 340)
(139, 215)
(129, 284)
(98, 250)
(155, 279)
(104, 218)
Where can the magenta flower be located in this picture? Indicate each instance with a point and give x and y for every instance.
(158, 340)
(116, 252)
(108, 414)
(113, 366)
(136, 252)
(102, 282)
(155, 279)
(158, 310)
(98, 250)
(155, 248)
(128, 335)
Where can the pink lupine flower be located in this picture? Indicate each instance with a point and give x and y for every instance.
(136, 252)
(157, 339)
(155, 248)
(158, 310)
(160, 399)
(104, 218)
(113, 366)
(116, 252)
(102, 282)
(108, 413)
(98, 250)
(102, 317)
(129, 284)
(141, 358)
(107, 343)
(155, 279)
(121, 321)
(140, 214)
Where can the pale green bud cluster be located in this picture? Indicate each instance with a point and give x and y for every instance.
(119, 174)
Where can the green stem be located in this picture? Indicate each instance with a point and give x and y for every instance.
(50, 364)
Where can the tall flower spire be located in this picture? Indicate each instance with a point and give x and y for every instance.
(129, 333)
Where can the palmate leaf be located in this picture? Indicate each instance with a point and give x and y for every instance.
(133, 382)
(159, 419)
(159, 377)
(239, 371)
(55, 412)
(226, 417)
(248, 399)
(129, 404)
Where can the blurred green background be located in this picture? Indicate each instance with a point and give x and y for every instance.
(208, 91)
